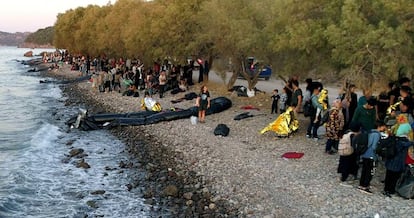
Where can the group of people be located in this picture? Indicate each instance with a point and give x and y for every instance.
(351, 119)
(130, 77)
(290, 103)
(351, 122)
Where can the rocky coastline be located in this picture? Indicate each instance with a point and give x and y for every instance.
(196, 174)
(168, 185)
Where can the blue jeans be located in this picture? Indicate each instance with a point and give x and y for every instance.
(313, 127)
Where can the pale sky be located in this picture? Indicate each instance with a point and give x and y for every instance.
(31, 15)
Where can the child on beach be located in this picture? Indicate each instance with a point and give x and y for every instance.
(283, 100)
(275, 99)
(203, 103)
(322, 100)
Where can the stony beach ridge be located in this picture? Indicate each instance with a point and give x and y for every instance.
(198, 174)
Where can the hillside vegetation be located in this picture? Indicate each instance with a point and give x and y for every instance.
(42, 37)
(363, 41)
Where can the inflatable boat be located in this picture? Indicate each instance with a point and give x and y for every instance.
(110, 120)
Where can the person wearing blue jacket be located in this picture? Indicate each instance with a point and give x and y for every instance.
(369, 157)
(396, 165)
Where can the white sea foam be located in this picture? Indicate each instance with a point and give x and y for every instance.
(45, 136)
(54, 92)
(37, 177)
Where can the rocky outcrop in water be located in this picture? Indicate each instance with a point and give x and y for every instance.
(28, 54)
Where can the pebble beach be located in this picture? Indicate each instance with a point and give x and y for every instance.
(197, 174)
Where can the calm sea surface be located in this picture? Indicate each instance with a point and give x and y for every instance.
(35, 179)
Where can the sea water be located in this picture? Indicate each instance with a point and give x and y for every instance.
(37, 176)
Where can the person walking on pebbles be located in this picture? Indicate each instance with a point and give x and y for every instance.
(203, 103)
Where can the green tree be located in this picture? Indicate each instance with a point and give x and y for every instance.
(66, 25)
(233, 30)
(41, 36)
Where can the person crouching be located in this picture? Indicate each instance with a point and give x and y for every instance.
(149, 104)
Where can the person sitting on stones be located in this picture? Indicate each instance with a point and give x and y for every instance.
(131, 91)
(182, 87)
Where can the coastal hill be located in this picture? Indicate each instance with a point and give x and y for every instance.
(42, 38)
(13, 39)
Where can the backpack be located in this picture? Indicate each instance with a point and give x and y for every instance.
(360, 143)
(405, 184)
(345, 148)
(221, 129)
(325, 117)
(308, 109)
(387, 147)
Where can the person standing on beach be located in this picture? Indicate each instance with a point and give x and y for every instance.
(348, 164)
(366, 115)
(369, 157)
(349, 103)
(275, 99)
(283, 100)
(312, 131)
(334, 127)
(203, 103)
(297, 97)
(395, 166)
(162, 79)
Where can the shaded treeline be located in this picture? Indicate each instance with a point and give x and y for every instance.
(363, 40)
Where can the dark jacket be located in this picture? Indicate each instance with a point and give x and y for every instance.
(366, 117)
(397, 164)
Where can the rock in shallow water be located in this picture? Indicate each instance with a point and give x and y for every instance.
(76, 151)
(83, 164)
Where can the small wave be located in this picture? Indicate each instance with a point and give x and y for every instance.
(54, 92)
(45, 136)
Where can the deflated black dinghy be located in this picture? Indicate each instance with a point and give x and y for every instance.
(109, 120)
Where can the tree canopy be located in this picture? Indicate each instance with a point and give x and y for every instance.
(370, 39)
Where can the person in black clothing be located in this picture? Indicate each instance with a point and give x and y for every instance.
(383, 104)
(405, 95)
(189, 77)
(275, 99)
(289, 90)
(350, 103)
(395, 93)
(206, 70)
(200, 70)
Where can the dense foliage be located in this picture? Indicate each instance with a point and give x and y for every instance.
(41, 37)
(364, 39)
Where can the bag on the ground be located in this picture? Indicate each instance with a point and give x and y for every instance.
(345, 148)
(405, 184)
(190, 96)
(387, 147)
(360, 143)
(308, 109)
(222, 130)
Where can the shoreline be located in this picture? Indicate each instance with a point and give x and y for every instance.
(243, 174)
(168, 185)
